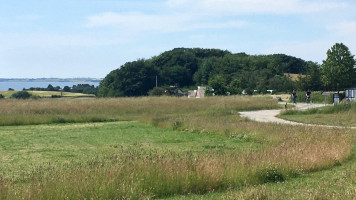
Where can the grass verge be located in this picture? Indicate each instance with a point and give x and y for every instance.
(338, 115)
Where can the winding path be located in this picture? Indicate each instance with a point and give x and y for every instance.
(269, 116)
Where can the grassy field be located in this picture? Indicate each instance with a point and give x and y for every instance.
(144, 148)
(339, 115)
(48, 94)
(336, 183)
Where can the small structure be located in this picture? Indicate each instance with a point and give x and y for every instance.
(200, 93)
(336, 99)
(325, 94)
(350, 94)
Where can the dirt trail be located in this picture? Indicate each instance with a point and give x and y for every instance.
(269, 116)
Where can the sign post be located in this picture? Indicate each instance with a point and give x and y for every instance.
(325, 94)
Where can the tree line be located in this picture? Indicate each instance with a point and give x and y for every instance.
(229, 73)
(79, 88)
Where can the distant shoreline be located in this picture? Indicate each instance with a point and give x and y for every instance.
(50, 79)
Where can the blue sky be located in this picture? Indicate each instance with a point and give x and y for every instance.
(90, 38)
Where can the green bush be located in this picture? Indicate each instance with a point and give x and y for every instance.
(158, 91)
(270, 175)
(316, 97)
(21, 95)
(2, 96)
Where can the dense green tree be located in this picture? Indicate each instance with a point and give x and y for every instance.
(133, 79)
(218, 83)
(157, 91)
(235, 87)
(202, 76)
(66, 89)
(50, 88)
(312, 80)
(176, 75)
(21, 95)
(338, 70)
(185, 67)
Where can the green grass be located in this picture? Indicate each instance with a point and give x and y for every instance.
(162, 147)
(24, 148)
(338, 115)
(165, 110)
(336, 183)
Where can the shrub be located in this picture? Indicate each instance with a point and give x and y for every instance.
(158, 91)
(2, 96)
(270, 175)
(21, 95)
(316, 97)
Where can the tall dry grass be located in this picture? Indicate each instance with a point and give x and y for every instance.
(137, 174)
(282, 152)
(43, 111)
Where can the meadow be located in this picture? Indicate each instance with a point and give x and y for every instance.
(149, 148)
(338, 115)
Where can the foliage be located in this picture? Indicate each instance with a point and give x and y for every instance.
(66, 89)
(312, 80)
(133, 79)
(218, 83)
(80, 88)
(338, 70)
(84, 88)
(184, 67)
(316, 97)
(21, 95)
(157, 91)
(2, 96)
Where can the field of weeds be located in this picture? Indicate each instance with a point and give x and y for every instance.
(145, 148)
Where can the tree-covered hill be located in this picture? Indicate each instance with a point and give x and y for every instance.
(186, 67)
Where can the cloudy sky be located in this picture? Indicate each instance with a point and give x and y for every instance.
(90, 38)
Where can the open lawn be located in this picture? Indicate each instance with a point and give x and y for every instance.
(144, 148)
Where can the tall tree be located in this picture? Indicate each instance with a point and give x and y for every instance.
(132, 79)
(338, 70)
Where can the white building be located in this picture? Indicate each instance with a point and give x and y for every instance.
(350, 94)
(200, 93)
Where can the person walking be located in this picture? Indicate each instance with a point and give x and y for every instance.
(307, 96)
(294, 97)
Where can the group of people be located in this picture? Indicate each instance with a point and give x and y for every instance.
(307, 96)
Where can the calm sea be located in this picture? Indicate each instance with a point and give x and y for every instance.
(18, 86)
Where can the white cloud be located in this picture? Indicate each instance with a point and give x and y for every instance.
(238, 7)
(42, 40)
(311, 51)
(135, 21)
(346, 28)
(344, 32)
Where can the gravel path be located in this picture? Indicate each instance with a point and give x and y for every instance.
(269, 116)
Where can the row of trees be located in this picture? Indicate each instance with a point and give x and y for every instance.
(80, 88)
(230, 73)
